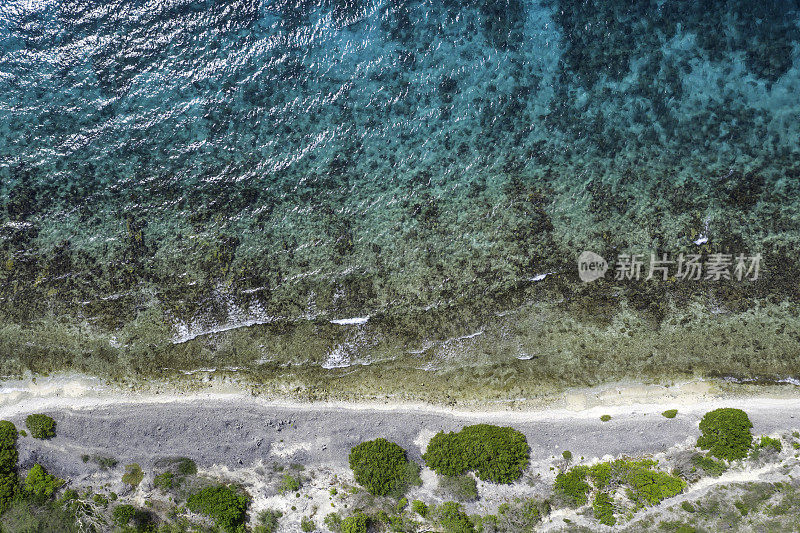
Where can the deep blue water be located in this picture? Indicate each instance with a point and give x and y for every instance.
(203, 166)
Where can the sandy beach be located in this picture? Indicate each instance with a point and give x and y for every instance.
(233, 435)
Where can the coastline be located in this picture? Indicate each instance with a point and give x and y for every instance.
(251, 441)
(73, 391)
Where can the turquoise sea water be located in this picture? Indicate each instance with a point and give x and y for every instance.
(324, 183)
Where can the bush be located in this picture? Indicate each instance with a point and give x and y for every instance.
(603, 507)
(769, 442)
(41, 426)
(123, 514)
(573, 485)
(670, 413)
(381, 467)
(332, 521)
(222, 504)
(605, 418)
(268, 521)
(646, 486)
(566, 454)
(726, 433)
(40, 485)
(133, 475)
(497, 454)
(164, 481)
(453, 519)
(355, 524)
(8, 434)
(462, 488)
(420, 508)
(709, 466)
(8, 464)
(289, 484)
(523, 514)
(307, 525)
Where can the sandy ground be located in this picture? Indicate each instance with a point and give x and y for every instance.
(233, 428)
(232, 434)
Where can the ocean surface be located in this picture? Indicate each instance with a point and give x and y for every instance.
(364, 194)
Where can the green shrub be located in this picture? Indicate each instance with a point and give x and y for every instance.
(381, 467)
(769, 442)
(8, 464)
(420, 508)
(453, 519)
(605, 418)
(8, 485)
(164, 481)
(104, 462)
(123, 514)
(289, 484)
(8, 434)
(652, 486)
(523, 514)
(670, 413)
(494, 453)
(307, 525)
(462, 488)
(726, 433)
(41, 426)
(646, 486)
(355, 524)
(268, 521)
(572, 484)
(40, 485)
(185, 466)
(133, 475)
(603, 507)
(566, 454)
(332, 521)
(688, 507)
(222, 504)
(710, 466)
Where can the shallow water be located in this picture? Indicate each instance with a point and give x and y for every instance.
(241, 182)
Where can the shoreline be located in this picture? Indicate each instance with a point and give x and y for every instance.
(78, 392)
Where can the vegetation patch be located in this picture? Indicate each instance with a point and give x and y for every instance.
(670, 413)
(462, 488)
(40, 485)
(382, 467)
(710, 466)
(41, 426)
(453, 519)
(769, 442)
(603, 507)
(726, 433)
(643, 484)
(8, 463)
(268, 521)
(355, 524)
(133, 475)
(494, 453)
(605, 418)
(224, 505)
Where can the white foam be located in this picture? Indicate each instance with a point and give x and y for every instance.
(351, 321)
